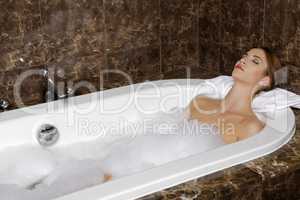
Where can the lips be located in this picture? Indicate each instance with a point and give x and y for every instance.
(239, 66)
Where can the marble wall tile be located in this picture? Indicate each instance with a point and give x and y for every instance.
(282, 29)
(282, 186)
(205, 37)
(80, 74)
(233, 183)
(73, 28)
(65, 35)
(31, 87)
(20, 35)
(282, 34)
(132, 42)
(293, 183)
(74, 36)
(194, 72)
(179, 34)
(241, 29)
(209, 37)
(133, 66)
(293, 74)
(131, 24)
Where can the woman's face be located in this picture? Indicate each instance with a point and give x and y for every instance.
(252, 67)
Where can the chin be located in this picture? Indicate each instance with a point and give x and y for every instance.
(235, 75)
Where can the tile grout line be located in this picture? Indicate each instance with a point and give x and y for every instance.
(159, 36)
(198, 34)
(220, 62)
(105, 76)
(264, 21)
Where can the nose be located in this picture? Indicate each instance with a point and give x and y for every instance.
(243, 59)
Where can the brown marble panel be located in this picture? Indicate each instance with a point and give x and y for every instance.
(283, 186)
(73, 28)
(133, 66)
(50, 32)
(74, 37)
(83, 74)
(131, 24)
(233, 183)
(293, 78)
(209, 58)
(229, 56)
(282, 34)
(179, 34)
(282, 29)
(191, 72)
(241, 29)
(209, 37)
(280, 162)
(25, 84)
(20, 36)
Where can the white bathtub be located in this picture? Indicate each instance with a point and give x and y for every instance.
(19, 127)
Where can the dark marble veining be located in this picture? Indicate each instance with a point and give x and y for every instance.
(31, 88)
(209, 48)
(93, 45)
(242, 27)
(282, 34)
(178, 31)
(234, 183)
(146, 39)
(133, 66)
(131, 24)
(281, 31)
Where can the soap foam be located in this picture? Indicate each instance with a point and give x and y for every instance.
(36, 173)
(168, 137)
(24, 166)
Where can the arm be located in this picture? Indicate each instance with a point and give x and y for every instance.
(249, 128)
(200, 106)
(246, 129)
(229, 135)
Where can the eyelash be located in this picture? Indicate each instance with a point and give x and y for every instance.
(254, 61)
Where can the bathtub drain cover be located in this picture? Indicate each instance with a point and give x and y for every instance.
(47, 135)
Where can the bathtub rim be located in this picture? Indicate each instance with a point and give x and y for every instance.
(164, 176)
(41, 108)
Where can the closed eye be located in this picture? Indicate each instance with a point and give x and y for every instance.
(255, 61)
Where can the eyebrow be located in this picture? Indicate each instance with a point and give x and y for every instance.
(256, 56)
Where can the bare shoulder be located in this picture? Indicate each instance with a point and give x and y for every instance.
(200, 107)
(250, 126)
(204, 100)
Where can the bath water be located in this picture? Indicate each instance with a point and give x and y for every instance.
(38, 173)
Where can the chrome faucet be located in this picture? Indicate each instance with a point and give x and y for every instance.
(55, 92)
(3, 104)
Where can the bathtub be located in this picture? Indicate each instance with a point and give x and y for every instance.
(76, 119)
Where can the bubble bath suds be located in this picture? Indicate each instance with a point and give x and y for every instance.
(36, 173)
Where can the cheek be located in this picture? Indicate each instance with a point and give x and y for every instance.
(255, 73)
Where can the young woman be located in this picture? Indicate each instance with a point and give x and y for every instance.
(233, 115)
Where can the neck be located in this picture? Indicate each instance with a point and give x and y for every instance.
(239, 98)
